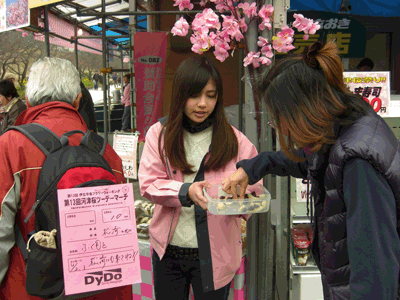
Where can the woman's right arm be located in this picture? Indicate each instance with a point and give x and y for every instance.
(155, 178)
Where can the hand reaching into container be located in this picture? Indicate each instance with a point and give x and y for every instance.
(195, 193)
(229, 185)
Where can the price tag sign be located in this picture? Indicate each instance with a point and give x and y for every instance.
(374, 87)
(126, 147)
(100, 249)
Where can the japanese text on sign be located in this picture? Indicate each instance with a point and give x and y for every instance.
(126, 147)
(374, 87)
(98, 238)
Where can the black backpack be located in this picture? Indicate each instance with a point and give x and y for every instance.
(44, 269)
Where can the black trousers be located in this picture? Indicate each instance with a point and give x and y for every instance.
(126, 118)
(173, 277)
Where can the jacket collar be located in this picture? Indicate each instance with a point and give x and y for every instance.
(48, 111)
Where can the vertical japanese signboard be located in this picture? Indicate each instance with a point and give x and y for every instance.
(150, 50)
(14, 14)
(126, 147)
(374, 87)
(350, 34)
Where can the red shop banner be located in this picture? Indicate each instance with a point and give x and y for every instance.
(150, 51)
(374, 87)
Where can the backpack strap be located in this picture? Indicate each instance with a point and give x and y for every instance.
(44, 138)
(94, 142)
(19, 240)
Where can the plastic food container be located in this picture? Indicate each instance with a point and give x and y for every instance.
(257, 200)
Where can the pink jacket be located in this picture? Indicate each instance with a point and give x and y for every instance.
(126, 98)
(164, 186)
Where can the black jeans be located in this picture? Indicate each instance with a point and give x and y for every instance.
(173, 277)
(126, 118)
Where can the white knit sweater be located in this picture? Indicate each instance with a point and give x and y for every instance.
(196, 146)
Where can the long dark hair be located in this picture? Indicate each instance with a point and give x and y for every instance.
(190, 78)
(306, 95)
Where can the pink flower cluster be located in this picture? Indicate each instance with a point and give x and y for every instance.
(306, 25)
(17, 13)
(209, 32)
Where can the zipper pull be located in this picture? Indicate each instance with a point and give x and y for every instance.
(31, 212)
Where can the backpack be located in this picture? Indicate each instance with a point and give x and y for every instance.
(65, 166)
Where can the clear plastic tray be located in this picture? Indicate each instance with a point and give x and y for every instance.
(252, 205)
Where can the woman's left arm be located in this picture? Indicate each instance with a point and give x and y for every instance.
(373, 241)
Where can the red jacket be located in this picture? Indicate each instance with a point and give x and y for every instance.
(20, 165)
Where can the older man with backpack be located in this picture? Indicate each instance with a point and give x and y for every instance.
(50, 126)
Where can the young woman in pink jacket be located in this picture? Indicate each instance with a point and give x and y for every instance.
(191, 148)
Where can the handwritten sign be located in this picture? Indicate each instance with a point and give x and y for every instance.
(374, 87)
(126, 147)
(99, 242)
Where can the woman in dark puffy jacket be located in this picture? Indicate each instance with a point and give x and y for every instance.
(11, 104)
(351, 157)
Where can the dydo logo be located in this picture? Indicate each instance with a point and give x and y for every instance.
(105, 277)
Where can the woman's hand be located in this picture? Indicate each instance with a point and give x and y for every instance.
(195, 193)
(239, 177)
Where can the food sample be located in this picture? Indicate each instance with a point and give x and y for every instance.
(221, 203)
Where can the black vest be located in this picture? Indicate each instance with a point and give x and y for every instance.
(369, 138)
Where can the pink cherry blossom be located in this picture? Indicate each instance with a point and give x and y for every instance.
(262, 42)
(306, 37)
(181, 27)
(221, 50)
(211, 19)
(286, 32)
(265, 24)
(248, 10)
(231, 26)
(264, 60)
(184, 4)
(221, 6)
(266, 12)
(209, 32)
(252, 58)
(283, 45)
(200, 42)
(243, 25)
(17, 13)
(301, 23)
(224, 35)
(267, 51)
(313, 28)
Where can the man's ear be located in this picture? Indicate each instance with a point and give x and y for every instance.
(76, 101)
(27, 102)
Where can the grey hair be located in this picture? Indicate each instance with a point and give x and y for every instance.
(52, 79)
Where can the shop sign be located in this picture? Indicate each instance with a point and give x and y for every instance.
(150, 51)
(374, 87)
(350, 34)
(14, 14)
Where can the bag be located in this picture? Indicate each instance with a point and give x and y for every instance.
(65, 167)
